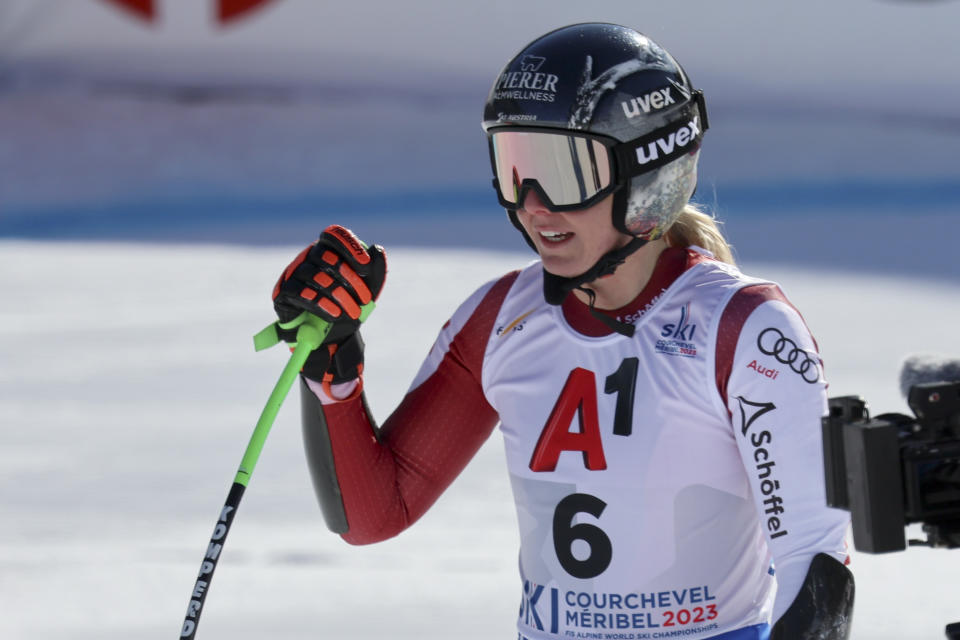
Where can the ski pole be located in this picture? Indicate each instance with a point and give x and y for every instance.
(311, 331)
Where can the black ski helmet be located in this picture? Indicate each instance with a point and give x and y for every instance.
(612, 82)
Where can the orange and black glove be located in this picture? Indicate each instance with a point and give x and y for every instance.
(334, 278)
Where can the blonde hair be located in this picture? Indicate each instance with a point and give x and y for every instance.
(695, 227)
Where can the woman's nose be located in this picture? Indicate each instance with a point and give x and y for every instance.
(533, 204)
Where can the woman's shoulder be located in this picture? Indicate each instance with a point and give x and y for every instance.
(708, 272)
(489, 296)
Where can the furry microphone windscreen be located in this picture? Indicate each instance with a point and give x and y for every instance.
(923, 369)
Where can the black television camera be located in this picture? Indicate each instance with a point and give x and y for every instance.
(894, 470)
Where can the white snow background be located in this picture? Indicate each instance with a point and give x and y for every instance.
(128, 392)
(154, 181)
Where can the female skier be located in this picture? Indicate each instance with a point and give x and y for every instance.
(661, 410)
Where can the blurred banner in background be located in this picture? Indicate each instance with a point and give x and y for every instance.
(834, 140)
(226, 10)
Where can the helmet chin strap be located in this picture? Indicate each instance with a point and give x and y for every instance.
(556, 288)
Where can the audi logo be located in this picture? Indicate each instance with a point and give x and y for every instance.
(772, 342)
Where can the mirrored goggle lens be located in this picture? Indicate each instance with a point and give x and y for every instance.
(569, 169)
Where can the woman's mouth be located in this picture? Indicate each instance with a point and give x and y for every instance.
(554, 237)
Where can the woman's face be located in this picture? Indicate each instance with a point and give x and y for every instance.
(570, 242)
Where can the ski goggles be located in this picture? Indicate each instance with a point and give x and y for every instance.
(568, 170)
(572, 170)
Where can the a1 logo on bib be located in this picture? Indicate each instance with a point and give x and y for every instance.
(578, 400)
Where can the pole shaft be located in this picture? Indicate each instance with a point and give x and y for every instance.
(309, 337)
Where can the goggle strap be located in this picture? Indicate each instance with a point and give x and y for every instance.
(664, 145)
(702, 106)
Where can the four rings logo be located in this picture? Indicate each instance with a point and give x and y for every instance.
(772, 342)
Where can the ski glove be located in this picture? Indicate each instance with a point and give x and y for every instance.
(334, 278)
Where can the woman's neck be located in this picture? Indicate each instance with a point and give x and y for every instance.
(626, 283)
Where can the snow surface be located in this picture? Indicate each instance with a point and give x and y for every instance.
(129, 388)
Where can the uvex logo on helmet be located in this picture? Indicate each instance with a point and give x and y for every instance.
(652, 101)
(669, 143)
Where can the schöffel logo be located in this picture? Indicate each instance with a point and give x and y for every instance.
(633, 318)
(676, 140)
(677, 338)
(772, 342)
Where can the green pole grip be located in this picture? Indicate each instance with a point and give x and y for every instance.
(310, 335)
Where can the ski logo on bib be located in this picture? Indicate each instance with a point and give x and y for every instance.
(676, 339)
